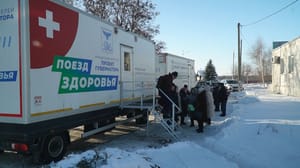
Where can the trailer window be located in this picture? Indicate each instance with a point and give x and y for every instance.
(127, 61)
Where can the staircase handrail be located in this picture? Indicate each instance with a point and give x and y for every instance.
(174, 105)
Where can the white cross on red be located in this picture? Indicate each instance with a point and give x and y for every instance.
(49, 24)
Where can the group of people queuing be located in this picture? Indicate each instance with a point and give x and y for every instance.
(200, 103)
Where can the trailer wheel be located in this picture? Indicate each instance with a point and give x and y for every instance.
(54, 147)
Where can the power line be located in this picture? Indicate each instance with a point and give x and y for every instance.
(272, 14)
(243, 37)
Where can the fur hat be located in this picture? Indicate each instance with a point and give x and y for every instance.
(175, 74)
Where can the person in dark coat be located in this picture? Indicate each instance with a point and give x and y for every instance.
(191, 105)
(184, 93)
(199, 114)
(201, 110)
(165, 85)
(216, 97)
(223, 96)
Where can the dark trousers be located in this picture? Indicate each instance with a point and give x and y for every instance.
(217, 105)
(183, 112)
(167, 106)
(223, 107)
(199, 117)
(200, 123)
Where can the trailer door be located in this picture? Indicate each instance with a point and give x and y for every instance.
(127, 84)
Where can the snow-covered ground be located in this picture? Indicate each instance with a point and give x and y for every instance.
(260, 130)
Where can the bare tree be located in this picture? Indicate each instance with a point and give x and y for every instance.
(247, 70)
(132, 15)
(261, 58)
(268, 61)
(101, 8)
(159, 46)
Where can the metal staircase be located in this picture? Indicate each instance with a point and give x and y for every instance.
(152, 107)
(169, 124)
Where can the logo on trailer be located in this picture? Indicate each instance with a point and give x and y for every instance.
(107, 41)
(53, 30)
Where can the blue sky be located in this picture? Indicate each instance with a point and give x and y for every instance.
(207, 29)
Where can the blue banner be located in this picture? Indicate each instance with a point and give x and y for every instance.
(8, 76)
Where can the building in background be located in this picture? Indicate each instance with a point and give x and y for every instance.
(286, 68)
(278, 43)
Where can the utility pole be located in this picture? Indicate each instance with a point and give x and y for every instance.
(239, 53)
(233, 65)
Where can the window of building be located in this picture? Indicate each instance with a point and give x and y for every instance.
(291, 64)
(281, 66)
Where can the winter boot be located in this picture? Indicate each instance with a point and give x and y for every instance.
(199, 130)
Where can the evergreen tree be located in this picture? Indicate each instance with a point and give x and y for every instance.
(210, 72)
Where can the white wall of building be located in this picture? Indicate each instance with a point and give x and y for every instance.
(286, 68)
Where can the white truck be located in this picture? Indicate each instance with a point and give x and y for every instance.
(167, 63)
(61, 68)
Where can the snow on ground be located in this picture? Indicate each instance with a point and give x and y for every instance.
(260, 130)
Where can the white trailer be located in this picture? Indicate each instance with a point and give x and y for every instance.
(61, 68)
(167, 63)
